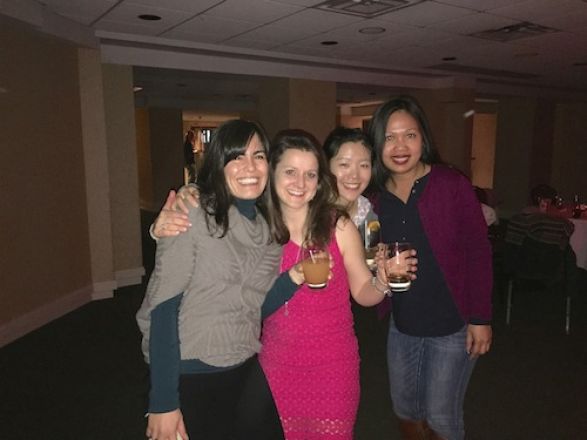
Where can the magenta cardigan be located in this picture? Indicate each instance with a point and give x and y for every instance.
(454, 225)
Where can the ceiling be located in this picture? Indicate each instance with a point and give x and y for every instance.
(207, 50)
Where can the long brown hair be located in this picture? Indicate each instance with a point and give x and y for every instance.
(323, 211)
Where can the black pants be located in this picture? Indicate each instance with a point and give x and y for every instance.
(231, 405)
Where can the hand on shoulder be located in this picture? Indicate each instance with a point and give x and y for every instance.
(173, 218)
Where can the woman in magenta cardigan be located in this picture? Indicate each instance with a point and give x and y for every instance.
(442, 324)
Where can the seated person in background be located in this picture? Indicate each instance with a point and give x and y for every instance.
(540, 227)
(488, 212)
(537, 242)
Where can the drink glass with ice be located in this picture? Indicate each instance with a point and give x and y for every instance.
(316, 265)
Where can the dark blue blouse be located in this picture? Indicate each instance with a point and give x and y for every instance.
(427, 308)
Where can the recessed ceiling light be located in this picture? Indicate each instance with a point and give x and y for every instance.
(137, 88)
(149, 17)
(329, 43)
(449, 58)
(372, 30)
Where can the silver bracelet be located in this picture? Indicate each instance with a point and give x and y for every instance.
(386, 290)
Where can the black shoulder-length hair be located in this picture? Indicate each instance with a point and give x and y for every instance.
(342, 135)
(376, 133)
(323, 212)
(229, 141)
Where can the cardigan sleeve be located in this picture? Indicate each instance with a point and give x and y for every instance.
(454, 225)
(158, 316)
(478, 273)
(174, 263)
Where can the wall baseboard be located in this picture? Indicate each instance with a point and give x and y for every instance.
(28, 322)
(129, 277)
(12, 330)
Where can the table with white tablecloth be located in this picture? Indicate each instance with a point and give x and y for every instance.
(578, 241)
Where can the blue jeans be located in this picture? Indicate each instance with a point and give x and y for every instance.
(428, 378)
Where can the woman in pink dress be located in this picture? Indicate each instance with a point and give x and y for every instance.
(310, 353)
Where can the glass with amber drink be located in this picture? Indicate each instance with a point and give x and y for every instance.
(315, 265)
(396, 266)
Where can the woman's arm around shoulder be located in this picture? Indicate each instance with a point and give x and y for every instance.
(173, 218)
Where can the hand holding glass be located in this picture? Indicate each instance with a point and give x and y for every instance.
(316, 265)
(397, 267)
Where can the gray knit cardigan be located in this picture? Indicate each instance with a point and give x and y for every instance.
(224, 281)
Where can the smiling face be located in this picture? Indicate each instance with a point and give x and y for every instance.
(296, 178)
(246, 175)
(352, 168)
(402, 150)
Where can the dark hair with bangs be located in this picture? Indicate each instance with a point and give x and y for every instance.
(323, 212)
(229, 141)
(376, 133)
(342, 135)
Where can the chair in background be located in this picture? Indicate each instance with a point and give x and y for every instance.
(537, 250)
(496, 235)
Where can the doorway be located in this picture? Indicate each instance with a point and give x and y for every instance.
(483, 149)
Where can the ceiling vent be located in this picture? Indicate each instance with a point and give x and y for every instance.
(365, 8)
(514, 32)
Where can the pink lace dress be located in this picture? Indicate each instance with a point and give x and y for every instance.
(310, 357)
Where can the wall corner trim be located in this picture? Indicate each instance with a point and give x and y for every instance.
(129, 277)
(103, 290)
